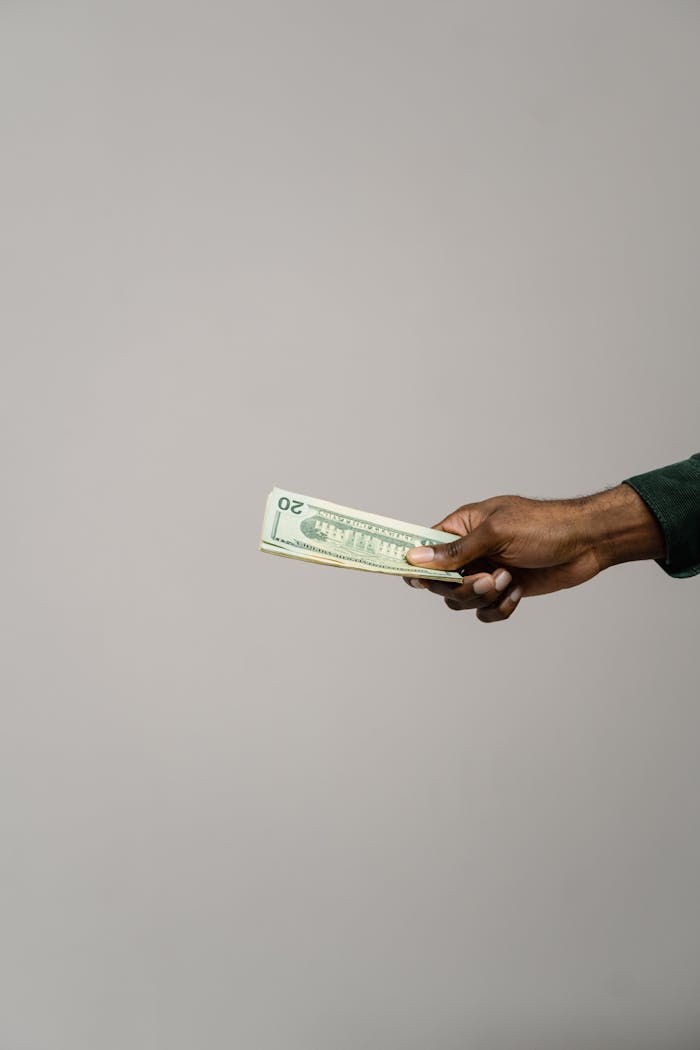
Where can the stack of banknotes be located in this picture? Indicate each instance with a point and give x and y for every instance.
(314, 530)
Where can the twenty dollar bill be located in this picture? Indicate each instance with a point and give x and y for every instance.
(314, 530)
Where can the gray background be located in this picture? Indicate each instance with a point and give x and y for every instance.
(401, 256)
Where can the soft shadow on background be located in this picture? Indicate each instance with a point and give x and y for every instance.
(399, 255)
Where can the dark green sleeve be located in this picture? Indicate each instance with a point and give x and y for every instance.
(672, 494)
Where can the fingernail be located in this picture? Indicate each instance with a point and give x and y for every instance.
(515, 595)
(420, 555)
(417, 583)
(483, 585)
(502, 580)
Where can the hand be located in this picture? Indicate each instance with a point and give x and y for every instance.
(513, 547)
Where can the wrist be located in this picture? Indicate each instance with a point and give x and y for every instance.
(622, 528)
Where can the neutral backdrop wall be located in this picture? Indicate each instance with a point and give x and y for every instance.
(399, 255)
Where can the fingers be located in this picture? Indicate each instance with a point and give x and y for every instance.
(503, 610)
(494, 596)
(479, 591)
(456, 553)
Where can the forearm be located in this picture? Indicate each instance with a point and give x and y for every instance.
(621, 528)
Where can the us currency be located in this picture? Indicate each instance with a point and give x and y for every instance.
(314, 530)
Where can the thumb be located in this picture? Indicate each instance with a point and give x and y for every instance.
(456, 553)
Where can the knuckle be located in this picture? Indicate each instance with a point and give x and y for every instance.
(493, 529)
(452, 550)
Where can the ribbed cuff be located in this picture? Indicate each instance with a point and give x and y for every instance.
(672, 494)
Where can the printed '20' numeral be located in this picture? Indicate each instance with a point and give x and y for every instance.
(295, 505)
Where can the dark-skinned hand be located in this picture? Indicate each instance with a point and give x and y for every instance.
(511, 547)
